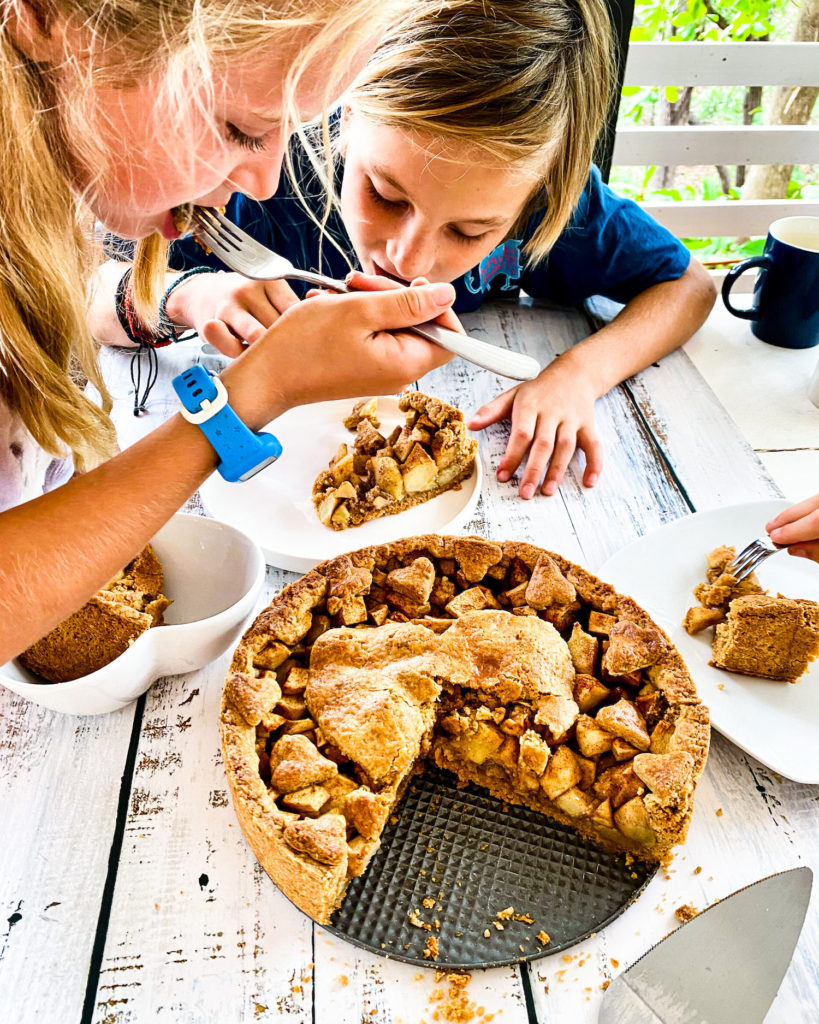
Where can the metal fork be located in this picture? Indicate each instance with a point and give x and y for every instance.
(243, 254)
(751, 557)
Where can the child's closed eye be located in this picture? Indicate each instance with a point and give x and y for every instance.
(255, 143)
(375, 195)
(467, 239)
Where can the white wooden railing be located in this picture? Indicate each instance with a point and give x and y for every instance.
(742, 64)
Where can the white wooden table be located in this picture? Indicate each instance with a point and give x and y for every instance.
(129, 895)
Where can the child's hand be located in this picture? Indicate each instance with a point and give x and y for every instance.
(552, 415)
(797, 528)
(338, 346)
(228, 310)
(361, 282)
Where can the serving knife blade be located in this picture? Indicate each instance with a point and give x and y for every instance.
(723, 967)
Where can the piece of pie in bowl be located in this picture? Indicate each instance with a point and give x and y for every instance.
(503, 663)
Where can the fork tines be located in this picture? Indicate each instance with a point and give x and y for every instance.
(749, 558)
(215, 230)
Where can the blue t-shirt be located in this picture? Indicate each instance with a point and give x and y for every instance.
(611, 247)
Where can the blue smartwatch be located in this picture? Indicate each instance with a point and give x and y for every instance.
(242, 453)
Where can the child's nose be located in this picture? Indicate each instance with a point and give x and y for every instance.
(257, 174)
(412, 255)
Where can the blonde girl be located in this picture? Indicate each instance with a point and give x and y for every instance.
(466, 150)
(121, 110)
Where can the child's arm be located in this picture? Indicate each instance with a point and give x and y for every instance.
(797, 528)
(57, 550)
(554, 414)
(226, 310)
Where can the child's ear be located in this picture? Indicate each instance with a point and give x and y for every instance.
(36, 31)
(344, 127)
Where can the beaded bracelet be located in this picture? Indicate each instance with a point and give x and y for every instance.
(167, 326)
(137, 331)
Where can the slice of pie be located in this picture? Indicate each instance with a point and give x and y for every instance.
(756, 634)
(501, 662)
(771, 637)
(105, 626)
(380, 476)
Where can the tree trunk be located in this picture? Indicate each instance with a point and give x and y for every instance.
(789, 105)
(751, 101)
(671, 114)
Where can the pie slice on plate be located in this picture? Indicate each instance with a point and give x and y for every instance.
(380, 476)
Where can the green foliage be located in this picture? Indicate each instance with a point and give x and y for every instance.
(735, 20)
(678, 21)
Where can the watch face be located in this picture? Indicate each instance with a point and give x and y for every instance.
(258, 468)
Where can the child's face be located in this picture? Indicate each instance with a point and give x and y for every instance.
(419, 207)
(241, 150)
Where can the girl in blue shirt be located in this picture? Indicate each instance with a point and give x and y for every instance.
(465, 155)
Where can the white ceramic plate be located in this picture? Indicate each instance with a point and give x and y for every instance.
(276, 508)
(777, 723)
(213, 573)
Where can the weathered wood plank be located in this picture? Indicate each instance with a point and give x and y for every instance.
(695, 218)
(219, 932)
(60, 780)
(713, 462)
(715, 144)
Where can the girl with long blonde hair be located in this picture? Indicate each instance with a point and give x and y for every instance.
(465, 153)
(121, 111)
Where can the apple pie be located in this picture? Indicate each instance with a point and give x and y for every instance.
(380, 476)
(506, 664)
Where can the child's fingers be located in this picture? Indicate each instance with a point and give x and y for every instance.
(246, 325)
(217, 333)
(593, 450)
(520, 437)
(361, 282)
(561, 457)
(498, 409)
(804, 529)
(790, 515)
(281, 296)
(806, 550)
(540, 452)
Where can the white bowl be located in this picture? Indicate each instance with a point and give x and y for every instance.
(213, 574)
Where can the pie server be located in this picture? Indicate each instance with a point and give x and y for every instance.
(723, 967)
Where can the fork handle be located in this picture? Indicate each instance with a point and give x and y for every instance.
(491, 357)
(516, 365)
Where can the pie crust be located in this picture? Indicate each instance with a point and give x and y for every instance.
(502, 662)
(378, 476)
(105, 626)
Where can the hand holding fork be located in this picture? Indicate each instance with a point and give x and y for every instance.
(244, 255)
(795, 530)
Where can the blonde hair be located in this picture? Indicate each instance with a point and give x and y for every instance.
(45, 228)
(526, 82)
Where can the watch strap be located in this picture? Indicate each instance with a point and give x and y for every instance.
(242, 452)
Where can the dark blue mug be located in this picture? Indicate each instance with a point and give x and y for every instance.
(786, 296)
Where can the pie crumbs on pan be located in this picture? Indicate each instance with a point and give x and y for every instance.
(380, 476)
(502, 662)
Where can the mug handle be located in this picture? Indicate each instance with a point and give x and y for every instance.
(755, 261)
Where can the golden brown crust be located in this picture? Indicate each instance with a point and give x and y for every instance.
(615, 750)
(105, 626)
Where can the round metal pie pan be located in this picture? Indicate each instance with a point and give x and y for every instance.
(474, 855)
